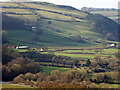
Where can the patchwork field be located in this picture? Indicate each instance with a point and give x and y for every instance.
(87, 54)
(66, 23)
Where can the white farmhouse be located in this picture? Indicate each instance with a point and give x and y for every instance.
(112, 45)
(22, 47)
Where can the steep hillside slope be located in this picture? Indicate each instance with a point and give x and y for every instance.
(48, 24)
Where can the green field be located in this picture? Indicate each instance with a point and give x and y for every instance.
(85, 54)
(80, 54)
(76, 55)
(48, 38)
(48, 69)
(22, 50)
(110, 51)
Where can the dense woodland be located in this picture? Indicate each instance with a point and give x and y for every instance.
(104, 25)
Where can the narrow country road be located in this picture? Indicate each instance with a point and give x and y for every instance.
(8, 83)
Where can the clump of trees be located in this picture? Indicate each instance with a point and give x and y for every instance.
(117, 54)
(8, 55)
(61, 79)
(78, 38)
(88, 62)
(108, 77)
(18, 66)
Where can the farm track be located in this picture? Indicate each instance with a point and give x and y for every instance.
(77, 53)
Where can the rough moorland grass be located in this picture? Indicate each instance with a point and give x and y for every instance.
(49, 14)
(57, 9)
(48, 69)
(11, 4)
(17, 10)
(57, 16)
(54, 16)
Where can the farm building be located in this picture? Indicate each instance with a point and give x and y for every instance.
(22, 47)
(112, 45)
(33, 27)
(42, 49)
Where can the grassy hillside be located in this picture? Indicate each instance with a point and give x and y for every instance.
(55, 25)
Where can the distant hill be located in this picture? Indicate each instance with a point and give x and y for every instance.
(111, 13)
(47, 24)
(89, 9)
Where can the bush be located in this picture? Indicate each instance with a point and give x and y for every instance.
(29, 76)
(88, 62)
